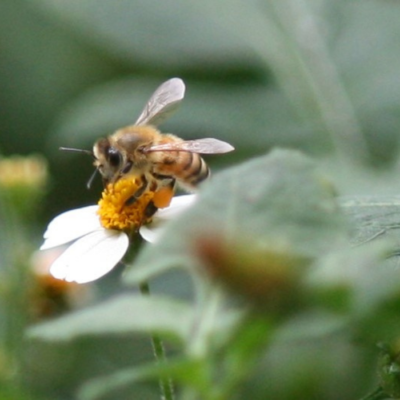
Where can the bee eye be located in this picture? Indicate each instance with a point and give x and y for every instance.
(114, 157)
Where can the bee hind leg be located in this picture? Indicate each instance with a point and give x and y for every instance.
(150, 210)
(163, 196)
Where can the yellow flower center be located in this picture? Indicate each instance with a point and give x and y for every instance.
(119, 210)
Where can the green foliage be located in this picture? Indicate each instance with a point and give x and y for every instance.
(277, 205)
(283, 278)
(110, 318)
(242, 202)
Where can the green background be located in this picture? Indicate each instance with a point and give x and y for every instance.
(318, 76)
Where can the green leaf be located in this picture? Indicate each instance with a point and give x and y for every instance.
(373, 218)
(120, 315)
(311, 326)
(352, 279)
(184, 372)
(273, 202)
(374, 280)
(241, 353)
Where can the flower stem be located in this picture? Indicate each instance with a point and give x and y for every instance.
(166, 385)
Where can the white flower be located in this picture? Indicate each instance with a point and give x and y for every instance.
(94, 250)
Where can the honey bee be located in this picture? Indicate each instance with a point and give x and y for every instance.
(161, 160)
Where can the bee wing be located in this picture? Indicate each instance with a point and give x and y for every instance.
(164, 101)
(200, 146)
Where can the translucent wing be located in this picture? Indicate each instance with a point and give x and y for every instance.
(200, 146)
(164, 101)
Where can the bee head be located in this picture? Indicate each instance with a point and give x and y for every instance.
(110, 160)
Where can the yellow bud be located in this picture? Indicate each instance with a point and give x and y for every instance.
(22, 182)
(19, 171)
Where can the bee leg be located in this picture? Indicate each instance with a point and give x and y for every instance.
(138, 192)
(150, 210)
(163, 196)
(162, 199)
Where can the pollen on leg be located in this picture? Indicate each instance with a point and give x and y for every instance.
(163, 197)
(115, 209)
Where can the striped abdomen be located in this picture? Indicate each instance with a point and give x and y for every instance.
(189, 169)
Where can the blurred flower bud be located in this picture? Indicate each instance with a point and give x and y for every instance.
(269, 276)
(22, 180)
(50, 297)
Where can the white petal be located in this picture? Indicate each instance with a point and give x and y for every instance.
(177, 206)
(152, 232)
(91, 256)
(71, 225)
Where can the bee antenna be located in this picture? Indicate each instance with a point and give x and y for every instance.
(77, 150)
(91, 179)
(90, 153)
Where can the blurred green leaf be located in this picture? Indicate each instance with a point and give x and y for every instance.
(388, 370)
(312, 325)
(187, 372)
(32, 93)
(120, 315)
(355, 282)
(374, 279)
(236, 362)
(167, 32)
(10, 392)
(334, 366)
(55, 370)
(368, 65)
(278, 200)
(287, 35)
(191, 371)
(373, 218)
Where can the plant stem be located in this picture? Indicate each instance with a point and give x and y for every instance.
(377, 394)
(166, 386)
(210, 298)
(324, 88)
(287, 36)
